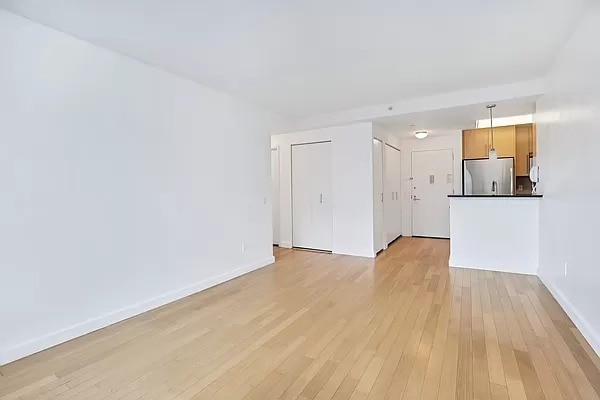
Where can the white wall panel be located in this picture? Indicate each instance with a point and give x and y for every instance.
(123, 187)
(568, 138)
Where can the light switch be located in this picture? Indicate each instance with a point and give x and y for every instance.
(431, 179)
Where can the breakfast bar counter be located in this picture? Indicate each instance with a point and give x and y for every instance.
(495, 232)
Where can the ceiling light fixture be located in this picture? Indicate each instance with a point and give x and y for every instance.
(493, 155)
(421, 134)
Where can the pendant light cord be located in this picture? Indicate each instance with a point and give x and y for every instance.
(492, 127)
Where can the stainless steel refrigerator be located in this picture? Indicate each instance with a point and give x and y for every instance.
(488, 177)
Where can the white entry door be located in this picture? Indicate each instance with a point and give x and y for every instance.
(392, 199)
(275, 193)
(378, 228)
(432, 183)
(312, 203)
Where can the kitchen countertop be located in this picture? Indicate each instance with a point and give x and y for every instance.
(499, 196)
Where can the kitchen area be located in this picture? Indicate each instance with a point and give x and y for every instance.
(494, 222)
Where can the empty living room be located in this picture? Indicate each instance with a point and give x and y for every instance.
(366, 200)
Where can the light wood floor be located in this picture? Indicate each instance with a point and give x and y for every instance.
(317, 326)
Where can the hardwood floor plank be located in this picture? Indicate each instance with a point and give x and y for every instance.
(547, 381)
(514, 384)
(531, 382)
(448, 379)
(464, 379)
(492, 345)
(498, 392)
(481, 377)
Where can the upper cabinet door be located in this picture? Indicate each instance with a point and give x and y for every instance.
(533, 148)
(504, 141)
(523, 134)
(475, 143)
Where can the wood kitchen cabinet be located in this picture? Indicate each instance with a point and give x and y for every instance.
(504, 141)
(525, 148)
(523, 145)
(475, 143)
(533, 140)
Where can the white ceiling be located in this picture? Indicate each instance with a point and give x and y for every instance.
(446, 120)
(306, 57)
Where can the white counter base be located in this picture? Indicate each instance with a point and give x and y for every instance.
(495, 234)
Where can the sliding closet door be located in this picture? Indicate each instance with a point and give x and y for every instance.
(312, 206)
(393, 198)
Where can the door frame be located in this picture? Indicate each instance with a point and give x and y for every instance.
(401, 192)
(292, 192)
(278, 199)
(382, 230)
(412, 203)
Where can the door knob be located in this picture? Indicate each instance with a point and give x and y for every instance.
(415, 198)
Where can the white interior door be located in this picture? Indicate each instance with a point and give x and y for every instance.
(275, 193)
(392, 198)
(312, 203)
(378, 226)
(432, 183)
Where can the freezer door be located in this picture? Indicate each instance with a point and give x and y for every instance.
(478, 176)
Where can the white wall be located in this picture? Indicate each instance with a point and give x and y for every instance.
(451, 140)
(352, 185)
(568, 134)
(122, 187)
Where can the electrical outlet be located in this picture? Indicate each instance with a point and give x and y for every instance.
(566, 268)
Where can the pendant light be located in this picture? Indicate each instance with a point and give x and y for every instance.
(492, 155)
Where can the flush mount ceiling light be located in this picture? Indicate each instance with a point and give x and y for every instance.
(421, 134)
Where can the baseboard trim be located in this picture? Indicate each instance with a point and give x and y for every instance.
(102, 321)
(452, 264)
(580, 322)
(286, 245)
